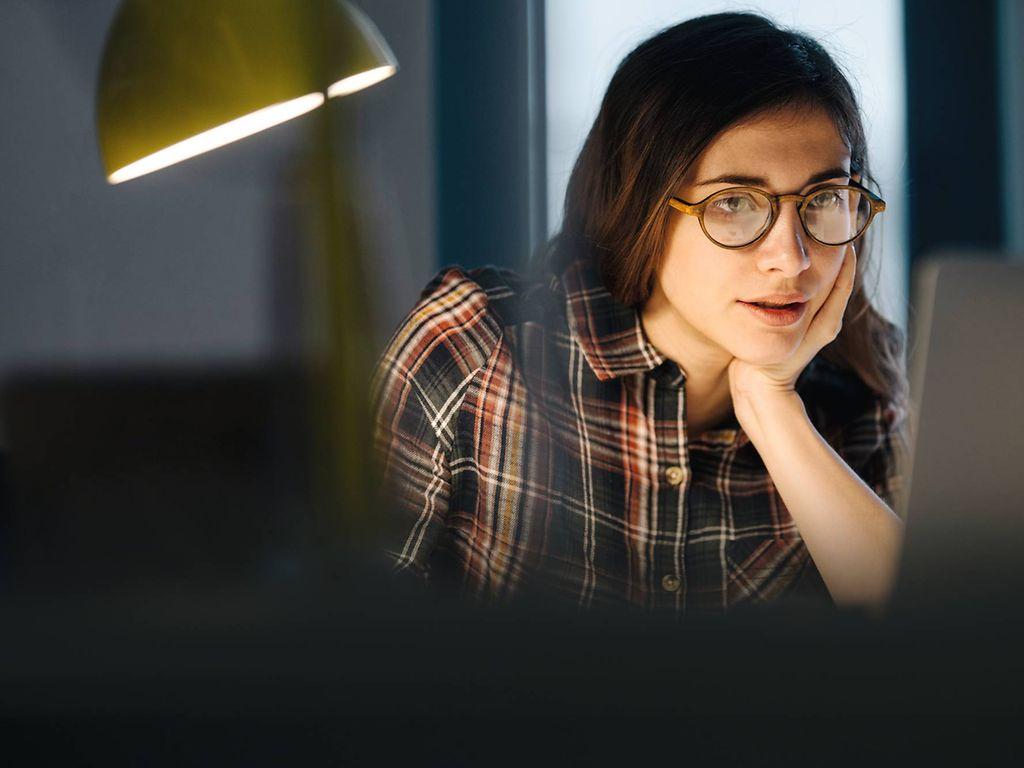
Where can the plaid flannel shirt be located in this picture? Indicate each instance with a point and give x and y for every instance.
(533, 442)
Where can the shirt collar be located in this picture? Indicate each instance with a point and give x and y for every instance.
(610, 334)
(613, 340)
(614, 344)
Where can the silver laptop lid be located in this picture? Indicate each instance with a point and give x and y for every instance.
(964, 501)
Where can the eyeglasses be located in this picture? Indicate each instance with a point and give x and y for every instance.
(740, 216)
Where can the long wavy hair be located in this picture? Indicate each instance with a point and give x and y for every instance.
(667, 101)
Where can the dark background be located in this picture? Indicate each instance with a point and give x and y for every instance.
(196, 264)
(148, 350)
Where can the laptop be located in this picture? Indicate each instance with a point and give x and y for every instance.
(963, 499)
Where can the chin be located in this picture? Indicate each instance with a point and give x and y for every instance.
(771, 351)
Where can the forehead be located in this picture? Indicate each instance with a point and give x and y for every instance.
(785, 145)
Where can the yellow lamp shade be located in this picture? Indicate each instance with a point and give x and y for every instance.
(183, 77)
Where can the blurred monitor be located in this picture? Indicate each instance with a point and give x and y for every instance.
(964, 496)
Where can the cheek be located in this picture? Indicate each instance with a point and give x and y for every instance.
(831, 266)
(700, 284)
(702, 291)
(695, 268)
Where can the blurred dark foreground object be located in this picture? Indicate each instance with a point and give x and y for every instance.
(128, 476)
(361, 670)
(166, 604)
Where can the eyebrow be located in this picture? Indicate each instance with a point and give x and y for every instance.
(757, 181)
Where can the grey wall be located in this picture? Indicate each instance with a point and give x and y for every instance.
(193, 264)
(394, 156)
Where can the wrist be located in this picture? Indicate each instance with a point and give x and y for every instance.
(771, 403)
(765, 414)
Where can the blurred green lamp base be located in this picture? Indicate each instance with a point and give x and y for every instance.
(182, 77)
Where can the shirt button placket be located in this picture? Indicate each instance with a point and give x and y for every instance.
(675, 475)
(672, 475)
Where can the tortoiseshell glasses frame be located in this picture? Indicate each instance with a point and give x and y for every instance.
(877, 205)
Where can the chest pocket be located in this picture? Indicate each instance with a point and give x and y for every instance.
(764, 569)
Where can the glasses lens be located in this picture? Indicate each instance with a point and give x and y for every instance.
(737, 217)
(837, 216)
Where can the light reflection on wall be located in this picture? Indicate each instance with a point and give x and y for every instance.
(586, 39)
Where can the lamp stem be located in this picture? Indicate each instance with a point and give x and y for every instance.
(340, 330)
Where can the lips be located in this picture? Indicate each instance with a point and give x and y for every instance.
(768, 305)
(777, 299)
(785, 314)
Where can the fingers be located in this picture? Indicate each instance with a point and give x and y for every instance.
(836, 304)
(830, 317)
(828, 320)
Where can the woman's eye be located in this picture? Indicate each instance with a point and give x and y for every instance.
(734, 204)
(828, 199)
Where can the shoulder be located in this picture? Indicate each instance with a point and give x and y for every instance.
(476, 305)
(454, 330)
(466, 312)
(835, 392)
(854, 418)
(510, 298)
(869, 431)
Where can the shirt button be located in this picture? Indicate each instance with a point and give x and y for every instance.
(674, 475)
(670, 582)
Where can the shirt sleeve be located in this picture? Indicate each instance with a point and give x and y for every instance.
(887, 467)
(417, 390)
(413, 463)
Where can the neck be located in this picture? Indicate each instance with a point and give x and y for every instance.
(704, 363)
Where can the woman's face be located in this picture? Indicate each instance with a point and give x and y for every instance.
(700, 287)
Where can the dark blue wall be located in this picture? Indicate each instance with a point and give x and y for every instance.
(953, 124)
(489, 130)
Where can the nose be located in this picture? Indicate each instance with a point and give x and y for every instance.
(785, 249)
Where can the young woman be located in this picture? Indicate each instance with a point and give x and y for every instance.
(692, 403)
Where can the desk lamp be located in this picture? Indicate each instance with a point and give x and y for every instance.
(182, 77)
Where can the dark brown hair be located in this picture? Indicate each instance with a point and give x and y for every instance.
(667, 101)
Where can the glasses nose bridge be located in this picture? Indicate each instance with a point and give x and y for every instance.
(778, 200)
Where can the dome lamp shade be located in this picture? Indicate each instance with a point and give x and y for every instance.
(181, 78)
